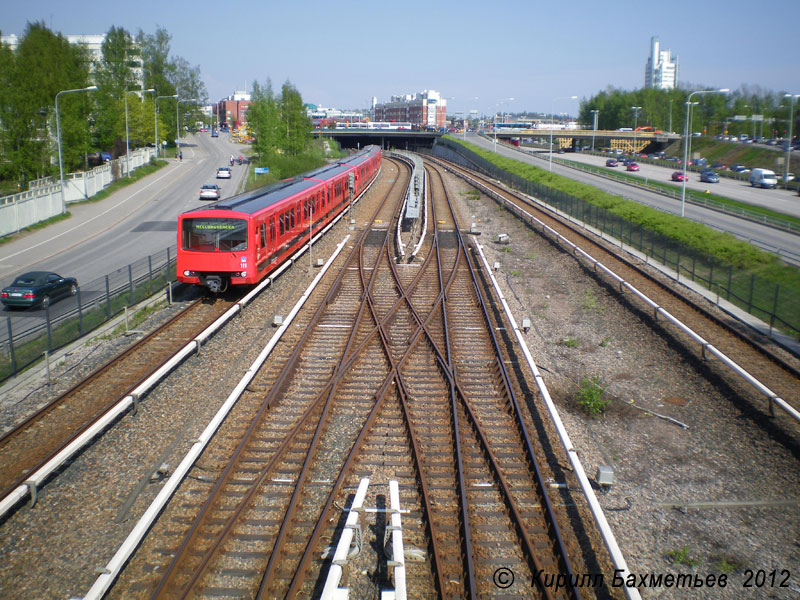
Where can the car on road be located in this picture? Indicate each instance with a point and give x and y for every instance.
(632, 166)
(210, 191)
(763, 178)
(709, 176)
(719, 166)
(679, 176)
(611, 162)
(38, 288)
(224, 173)
(739, 168)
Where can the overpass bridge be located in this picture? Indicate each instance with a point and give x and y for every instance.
(629, 141)
(385, 138)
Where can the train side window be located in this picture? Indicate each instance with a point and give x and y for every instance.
(263, 235)
(280, 219)
(272, 230)
(291, 215)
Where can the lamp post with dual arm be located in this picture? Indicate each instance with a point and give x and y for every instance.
(686, 141)
(91, 88)
(792, 98)
(155, 112)
(552, 123)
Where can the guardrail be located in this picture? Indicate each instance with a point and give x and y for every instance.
(97, 302)
(691, 196)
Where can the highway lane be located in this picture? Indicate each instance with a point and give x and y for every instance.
(774, 240)
(131, 224)
(781, 200)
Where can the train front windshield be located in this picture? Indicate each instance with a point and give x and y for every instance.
(208, 234)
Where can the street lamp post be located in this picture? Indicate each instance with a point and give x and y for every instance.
(552, 122)
(635, 110)
(91, 88)
(155, 113)
(594, 112)
(669, 127)
(127, 137)
(495, 119)
(178, 121)
(686, 141)
(792, 98)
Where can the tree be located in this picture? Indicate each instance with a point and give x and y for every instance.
(296, 122)
(280, 123)
(115, 75)
(262, 116)
(43, 65)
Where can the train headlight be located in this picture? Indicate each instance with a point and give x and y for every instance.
(243, 274)
(189, 273)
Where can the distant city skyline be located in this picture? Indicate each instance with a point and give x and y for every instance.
(479, 57)
(661, 71)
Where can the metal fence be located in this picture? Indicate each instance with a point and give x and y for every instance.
(67, 320)
(773, 304)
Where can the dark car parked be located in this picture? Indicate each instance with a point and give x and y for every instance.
(38, 288)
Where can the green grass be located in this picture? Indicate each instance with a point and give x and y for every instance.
(682, 557)
(591, 396)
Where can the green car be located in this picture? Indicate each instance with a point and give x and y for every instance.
(38, 288)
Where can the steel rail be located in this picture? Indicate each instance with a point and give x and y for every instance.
(561, 550)
(279, 386)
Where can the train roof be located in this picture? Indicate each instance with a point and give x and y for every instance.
(327, 172)
(261, 198)
(257, 200)
(359, 157)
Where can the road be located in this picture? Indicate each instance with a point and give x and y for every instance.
(134, 222)
(781, 200)
(774, 240)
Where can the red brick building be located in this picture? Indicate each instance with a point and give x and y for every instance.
(232, 111)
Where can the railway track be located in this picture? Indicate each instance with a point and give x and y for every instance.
(43, 435)
(760, 358)
(395, 377)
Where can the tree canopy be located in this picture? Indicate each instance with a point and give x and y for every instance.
(44, 65)
(666, 110)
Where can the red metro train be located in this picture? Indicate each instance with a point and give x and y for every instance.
(238, 241)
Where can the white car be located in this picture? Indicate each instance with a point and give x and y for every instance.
(209, 191)
(224, 173)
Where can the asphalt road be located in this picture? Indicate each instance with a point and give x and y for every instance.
(769, 238)
(134, 222)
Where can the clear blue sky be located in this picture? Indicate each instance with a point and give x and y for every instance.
(342, 53)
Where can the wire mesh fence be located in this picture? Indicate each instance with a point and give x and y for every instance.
(35, 331)
(775, 305)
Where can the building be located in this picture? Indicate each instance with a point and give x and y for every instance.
(661, 71)
(232, 111)
(426, 109)
(327, 117)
